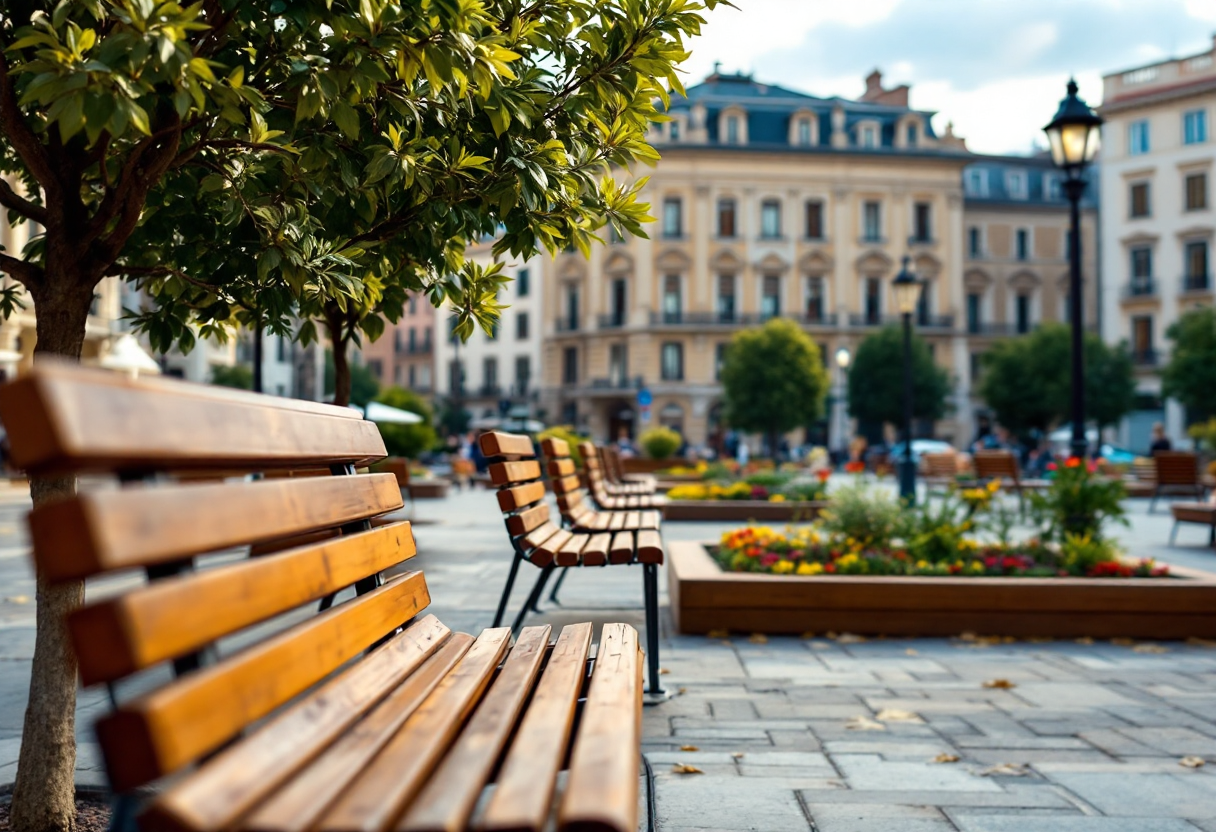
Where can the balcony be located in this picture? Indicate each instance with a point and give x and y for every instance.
(1196, 283)
(1145, 358)
(614, 320)
(616, 383)
(415, 348)
(489, 391)
(1140, 289)
(735, 319)
(918, 321)
(566, 324)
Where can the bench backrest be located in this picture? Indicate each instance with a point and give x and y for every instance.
(940, 465)
(65, 419)
(515, 472)
(995, 464)
(564, 479)
(611, 459)
(595, 471)
(1176, 467)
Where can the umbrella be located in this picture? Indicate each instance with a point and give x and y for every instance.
(377, 412)
(127, 356)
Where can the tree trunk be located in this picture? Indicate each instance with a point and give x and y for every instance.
(341, 361)
(258, 345)
(44, 793)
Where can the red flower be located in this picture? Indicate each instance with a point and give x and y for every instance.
(769, 559)
(1051, 466)
(823, 474)
(854, 467)
(831, 567)
(1072, 462)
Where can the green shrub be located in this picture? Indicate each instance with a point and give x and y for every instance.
(238, 376)
(769, 479)
(1077, 502)
(407, 440)
(571, 438)
(863, 514)
(660, 442)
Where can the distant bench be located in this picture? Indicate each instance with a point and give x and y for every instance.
(367, 715)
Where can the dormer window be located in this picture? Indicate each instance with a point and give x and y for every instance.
(804, 132)
(673, 131)
(732, 129)
(869, 137)
(1015, 183)
(913, 134)
(977, 183)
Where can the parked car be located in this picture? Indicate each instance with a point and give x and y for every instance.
(920, 447)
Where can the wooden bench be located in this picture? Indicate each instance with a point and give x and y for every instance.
(940, 469)
(1203, 514)
(577, 513)
(536, 539)
(618, 482)
(1175, 472)
(369, 715)
(597, 485)
(1002, 466)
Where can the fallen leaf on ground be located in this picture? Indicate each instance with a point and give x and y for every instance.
(1000, 684)
(718, 634)
(864, 723)
(1150, 648)
(820, 645)
(849, 638)
(758, 638)
(1085, 640)
(968, 636)
(685, 768)
(689, 748)
(1006, 770)
(1122, 642)
(911, 651)
(808, 635)
(681, 691)
(738, 755)
(831, 634)
(18, 599)
(663, 671)
(896, 715)
(1040, 639)
(946, 758)
(1192, 762)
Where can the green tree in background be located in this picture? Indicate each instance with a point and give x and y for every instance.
(407, 440)
(773, 380)
(238, 376)
(876, 380)
(1190, 375)
(1027, 380)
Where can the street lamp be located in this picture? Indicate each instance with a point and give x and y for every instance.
(842, 361)
(907, 293)
(1073, 135)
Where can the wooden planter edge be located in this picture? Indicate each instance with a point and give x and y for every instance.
(742, 510)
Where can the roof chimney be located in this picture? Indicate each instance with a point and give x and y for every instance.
(873, 86)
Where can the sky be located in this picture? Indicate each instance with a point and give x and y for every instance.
(996, 68)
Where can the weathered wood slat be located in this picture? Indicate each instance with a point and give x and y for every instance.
(62, 418)
(447, 801)
(158, 733)
(524, 791)
(622, 549)
(535, 544)
(297, 806)
(604, 763)
(517, 497)
(555, 448)
(498, 443)
(548, 550)
(378, 796)
(650, 547)
(595, 553)
(527, 520)
(522, 470)
(239, 777)
(166, 619)
(568, 554)
(102, 531)
(561, 467)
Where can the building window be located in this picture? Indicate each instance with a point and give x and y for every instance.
(814, 219)
(523, 283)
(572, 310)
(1140, 205)
(489, 376)
(673, 217)
(1022, 313)
(1142, 268)
(1196, 259)
(975, 242)
(726, 297)
(814, 299)
(492, 332)
(872, 221)
(619, 302)
(618, 365)
(1137, 138)
(1197, 192)
(1022, 243)
(924, 303)
(1142, 339)
(913, 135)
(424, 377)
(719, 359)
(770, 297)
(1051, 188)
(376, 367)
(977, 183)
(1015, 182)
(673, 362)
(672, 302)
(975, 312)
(570, 365)
(732, 129)
(673, 131)
(456, 377)
(922, 227)
(413, 304)
(873, 301)
(1195, 127)
(412, 375)
(770, 219)
(426, 340)
(521, 326)
(523, 374)
(869, 137)
(804, 132)
(726, 218)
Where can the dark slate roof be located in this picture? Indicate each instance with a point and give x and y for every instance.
(1037, 169)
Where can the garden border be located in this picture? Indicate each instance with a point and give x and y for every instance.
(709, 511)
(705, 598)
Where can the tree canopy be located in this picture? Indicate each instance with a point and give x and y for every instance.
(1190, 374)
(407, 440)
(773, 380)
(876, 379)
(1027, 380)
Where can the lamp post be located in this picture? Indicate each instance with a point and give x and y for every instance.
(907, 293)
(1073, 135)
(842, 361)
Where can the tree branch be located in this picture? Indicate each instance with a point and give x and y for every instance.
(13, 125)
(13, 201)
(24, 272)
(159, 271)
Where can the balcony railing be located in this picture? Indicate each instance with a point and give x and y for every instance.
(414, 348)
(616, 383)
(922, 321)
(1145, 358)
(613, 320)
(566, 324)
(735, 319)
(1140, 288)
(489, 391)
(1196, 283)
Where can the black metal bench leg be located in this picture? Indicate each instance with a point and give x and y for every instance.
(1212, 535)
(537, 589)
(544, 581)
(650, 583)
(558, 585)
(506, 591)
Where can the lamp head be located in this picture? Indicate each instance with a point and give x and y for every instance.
(906, 288)
(843, 358)
(1073, 133)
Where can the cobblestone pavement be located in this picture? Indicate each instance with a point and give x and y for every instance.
(830, 735)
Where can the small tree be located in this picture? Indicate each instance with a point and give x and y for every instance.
(876, 379)
(660, 442)
(407, 440)
(238, 376)
(1190, 375)
(773, 380)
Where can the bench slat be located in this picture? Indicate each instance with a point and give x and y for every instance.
(160, 732)
(513, 499)
(498, 443)
(103, 531)
(166, 619)
(566, 485)
(536, 541)
(504, 473)
(622, 549)
(601, 792)
(650, 547)
(62, 418)
(524, 792)
(447, 801)
(595, 553)
(549, 549)
(561, 467)
(568, 553)
(555, 448)
(383, 790)
(527, 520)
(311, 792)
(237, 778)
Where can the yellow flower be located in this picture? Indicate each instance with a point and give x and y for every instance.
(994, 486)
(783, 567)
(922, 564)
(976, 566)
(848, 560)
(776, 498)
(810, 568)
